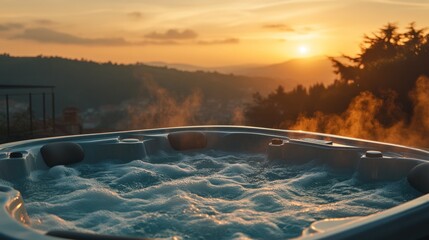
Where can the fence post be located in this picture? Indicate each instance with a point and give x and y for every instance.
(7, 117)
(30, 109)
(53, 111)
(44, 111)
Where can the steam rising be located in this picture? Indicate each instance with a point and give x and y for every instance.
(164, 110)
(238, 117)
(359, 119)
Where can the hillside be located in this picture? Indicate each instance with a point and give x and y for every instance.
(305, 71)
(87, 84)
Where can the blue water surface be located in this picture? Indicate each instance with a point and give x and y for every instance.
(200, 196)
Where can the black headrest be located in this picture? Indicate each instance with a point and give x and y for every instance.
(61, 153)
(418, 177)
(181, 141)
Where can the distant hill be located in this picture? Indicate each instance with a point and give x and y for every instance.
(305, 71)
(179, 66)
(189, 67)
(87, 84)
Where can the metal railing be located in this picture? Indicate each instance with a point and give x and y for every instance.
(31, 94)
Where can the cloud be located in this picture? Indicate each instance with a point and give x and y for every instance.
(279, 27)
(44, 21)
(46, 35)
(135, 15)
(417, 4)
(286, 28)
(173, 34)
(161, 42)
(219, 41)
(10, 26)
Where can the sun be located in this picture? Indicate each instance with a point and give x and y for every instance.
(303, 50)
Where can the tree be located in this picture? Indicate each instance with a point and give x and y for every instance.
(390, 62)
(388, 66)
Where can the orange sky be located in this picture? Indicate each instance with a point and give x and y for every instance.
(199, 32)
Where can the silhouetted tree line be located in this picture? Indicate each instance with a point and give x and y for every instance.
(388, 66)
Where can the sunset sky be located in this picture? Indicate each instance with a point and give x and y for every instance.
(199, 32)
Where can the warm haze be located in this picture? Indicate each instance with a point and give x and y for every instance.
(203, 33)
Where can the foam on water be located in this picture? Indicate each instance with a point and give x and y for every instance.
(210, 196)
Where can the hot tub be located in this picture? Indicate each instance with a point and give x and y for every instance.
(369, 162)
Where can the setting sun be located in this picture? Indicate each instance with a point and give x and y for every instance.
(303, 50)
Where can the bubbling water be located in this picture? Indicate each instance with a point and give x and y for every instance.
(200, 196)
